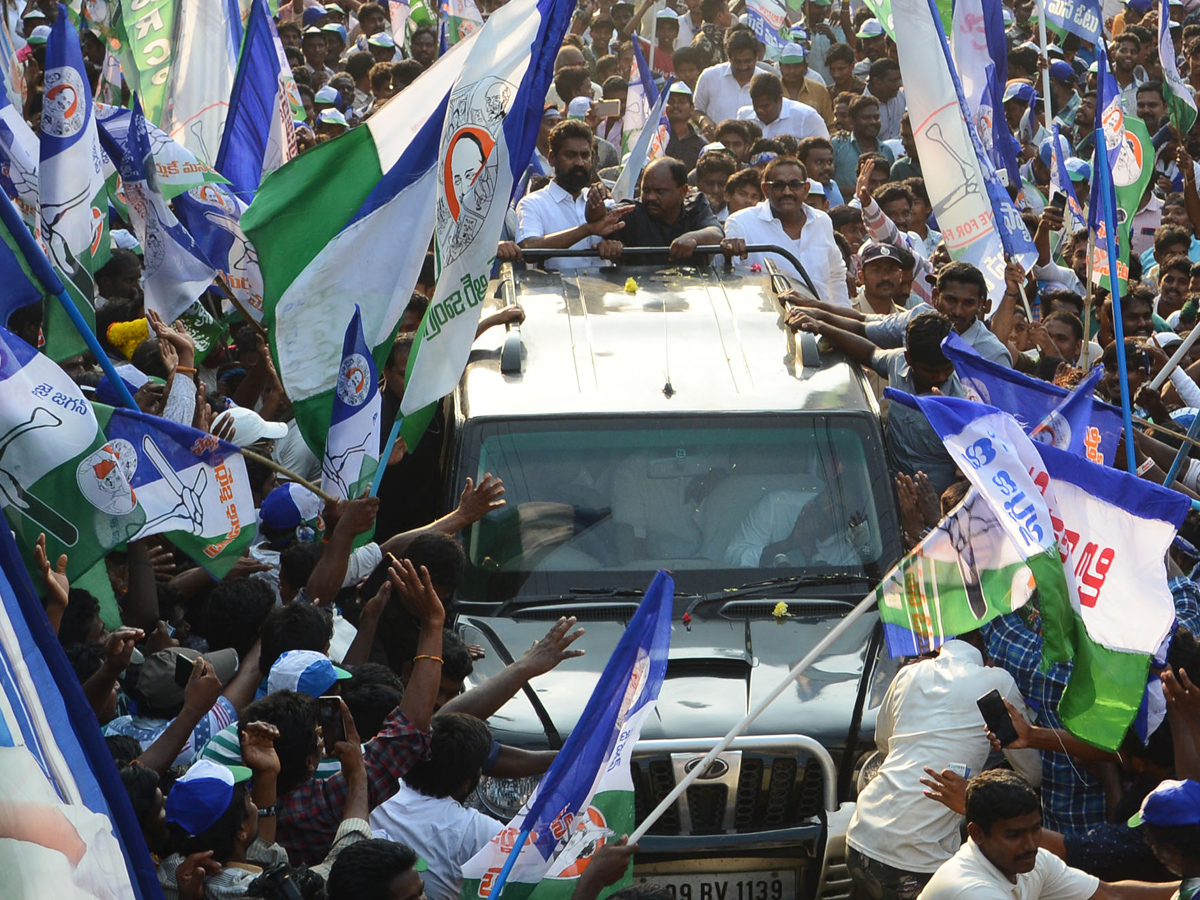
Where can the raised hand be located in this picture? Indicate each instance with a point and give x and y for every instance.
(476, 501)
(553, 648)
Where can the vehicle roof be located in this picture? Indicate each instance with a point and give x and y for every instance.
(590, 346)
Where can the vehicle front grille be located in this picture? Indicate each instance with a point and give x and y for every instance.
(771, 793)
(609, 612)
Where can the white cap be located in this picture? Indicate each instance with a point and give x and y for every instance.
(666, 13)
(249, 427)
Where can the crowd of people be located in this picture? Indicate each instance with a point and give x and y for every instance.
(208, 693)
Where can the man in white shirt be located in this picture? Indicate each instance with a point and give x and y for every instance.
(928, 718)
(775, 114)
(427, 813)
(785, 220)
(566, 214)
(1001, 859)
(723, 89)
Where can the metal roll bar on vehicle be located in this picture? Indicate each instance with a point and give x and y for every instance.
(539, 254)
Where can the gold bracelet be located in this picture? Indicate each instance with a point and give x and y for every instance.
(436, 659)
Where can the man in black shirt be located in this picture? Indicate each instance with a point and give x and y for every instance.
(667, 216)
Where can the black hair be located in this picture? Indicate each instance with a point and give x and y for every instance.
(861, 102)
(405, 72)
(442, 555)
(371, 704)
(840, 53)
(295, 715)
(716, 161)
(457, 751)
(297, 561)
(736, 41)
(881, 67)
(809, 144)
(881, 163)
(1177, 263)
(1166, 235)
(738, 125)
(359, 64)
(845, 215)
(960, 272)
(124, 749)
(219, 837)
(1184, 652)
(365, 870)
(779, 162)
(234, 613)
(571, 81)
(456, 658)
(380, 74)
(1072, 320)
(140, 784)
(687, 55)
(1155, 86)
(1053, 297)
(85, 659)
(77, 618)
(916, 184)
(1184, 839)
(924, 336)
(766, 84)
(566, 130)
(297, 626)
(893, 190)
(614, 83)
(998, 794)
(744, 178)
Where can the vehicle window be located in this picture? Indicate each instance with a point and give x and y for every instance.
(603, 503)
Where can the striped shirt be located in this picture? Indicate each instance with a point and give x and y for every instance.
(147, 731)
(225, 748)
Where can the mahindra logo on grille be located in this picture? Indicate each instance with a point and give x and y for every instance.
(716, 769)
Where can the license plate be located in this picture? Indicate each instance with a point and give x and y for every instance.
(779, 885)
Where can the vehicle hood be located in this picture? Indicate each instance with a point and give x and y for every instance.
(719, 668)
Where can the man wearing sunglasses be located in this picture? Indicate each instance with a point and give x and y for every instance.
(785, 220)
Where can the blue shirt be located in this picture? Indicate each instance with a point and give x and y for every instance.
(1072, 798)
(845, 159)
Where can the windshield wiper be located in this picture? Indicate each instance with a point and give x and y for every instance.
(788, 584)
(605, 592)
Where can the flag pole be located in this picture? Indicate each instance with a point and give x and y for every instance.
(291, 476)
(387, 452)
(1087, 299)
(52, 284)
(1045, 66)
(240, 307)
(1177, 462)
(868, 603)
(1110, 240)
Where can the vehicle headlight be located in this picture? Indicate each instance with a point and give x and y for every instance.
(504, 797)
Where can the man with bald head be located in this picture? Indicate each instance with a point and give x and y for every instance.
(672, 214)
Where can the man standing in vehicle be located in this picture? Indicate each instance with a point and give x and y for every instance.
(566, 213)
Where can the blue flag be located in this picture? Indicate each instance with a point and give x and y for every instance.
(259, 133)
(352, 447)
(1091, 429)
(587, 793)
(21, 287)
(1081, 17)
(1060, 182)
(212, 215)
(175, 273)
(54, 766)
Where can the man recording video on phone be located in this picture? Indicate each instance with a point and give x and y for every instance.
(930, 718)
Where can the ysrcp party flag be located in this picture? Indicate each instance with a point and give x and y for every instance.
(148, 51)
(639, 104)
(585, 799)
(177, 169)
(352, 448)
(175, 273)
(651, 143)
(18, 161)
(1181, 102)
(488, 137)
(1060, 180)
(260, 135)
(72, 198)
(963, 574)
(1088, 427)
(201, 74)
(769, 19)
(212, 215)
(1128, 155)
(345, 200)
(69, 828)
(1081, 17)
(1092, 537)
(978, 220)
(21, 286)
(461, 19)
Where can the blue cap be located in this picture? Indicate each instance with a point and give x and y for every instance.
(291, 508)
(1019, 90)
(1171, 804)
(1061, 70)
(1139, 5)
(313, 14)
(305, 672)
(335, 27)
(331, 96)
(202, 794)
(1078, 169)
(332, 117)
(1046, 149)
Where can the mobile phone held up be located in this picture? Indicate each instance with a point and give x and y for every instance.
(329, 717)
(995, 714)
(183, 670)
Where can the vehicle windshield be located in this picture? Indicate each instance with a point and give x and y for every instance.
(601, 503)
